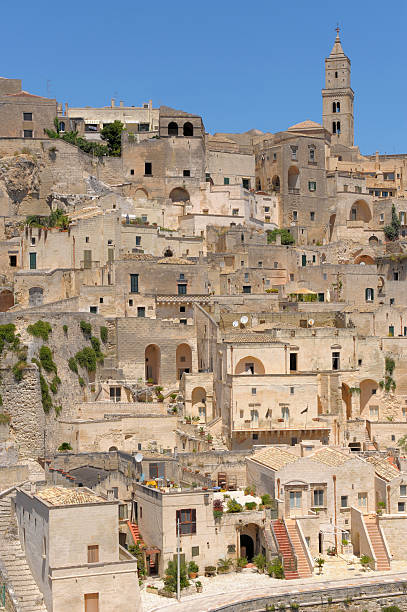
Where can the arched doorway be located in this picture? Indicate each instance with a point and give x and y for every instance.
(141, 195)
(332, 220)
(179, 195)
(364, 259)
(293, 178)
(275, 183)
(183, 360)
(246, 546)
(373, 241)
(188, 129)
(113, 448)
(198, 398)
(360, 211)
(172, 129)
(368, 388)
(35, 296)
(152, 363)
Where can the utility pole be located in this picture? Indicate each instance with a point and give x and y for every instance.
(178, 563)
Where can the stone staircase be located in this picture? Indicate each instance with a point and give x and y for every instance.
(285, 549)
(14, 568)
(378, 545)
(303, 565)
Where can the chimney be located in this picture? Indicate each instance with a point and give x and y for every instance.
(66, 108)
(121, 103)
(112, 103)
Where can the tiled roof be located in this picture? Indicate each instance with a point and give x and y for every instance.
(138, 257)
(330, 456)
(383, 468)
(274, 457)
(249, 337)
(61, 496)
(175, 260)
(305, 125)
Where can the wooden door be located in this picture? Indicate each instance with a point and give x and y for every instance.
(92, 602)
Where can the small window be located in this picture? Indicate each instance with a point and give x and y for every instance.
(183, 321)
(362, 500)
(395, 276)
(138, 240)
(291, 390)
(254, 391)
(28, 133)
(182, 308)
(393, 438)
(293, 362)
(312, 155)
(401, 506)
(13, 261)
(33, 261)
(186, 520)
(86, 238)
(344, 501)
(294, 150)
(295, 215)
(27, 116)
(318, 498)
(260, 264)
(255, 436)
(369, 294)
(403, 490)
(134, 283)
(100, 300)
(182, 289)
(93, 309)
(312, 186)
(195, 551)
(246, 183)
(141, 311)
(130, 302)
(186, 173)
(132, 171)
(247, 289)
(182, 276)
(312, 215)
(225, 180)
(391, 330)
(235, 212)
(148, 168)
(336, 361)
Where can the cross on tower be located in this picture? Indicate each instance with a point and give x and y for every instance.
(337, 29)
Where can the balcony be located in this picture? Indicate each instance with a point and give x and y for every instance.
(279, 425)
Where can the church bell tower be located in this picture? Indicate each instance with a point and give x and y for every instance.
(337, 97)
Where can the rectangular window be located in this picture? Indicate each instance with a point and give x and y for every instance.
(374, 412)
(138, 240)
(93, 309)
(12, 260)
(344, 501)
(336, 361)
(33, 261)
(134, 283)
(369, 294)
(362, 500)
(115, 394)
(132, 171)
(403, 490)
(186, 173)
(182, 289)
(285, 413)
(225, 180)
(91, 602)
(254, 390)
(246, 183)
(87, 259)
(27, 116)
(318, 497)
(235, 212)
(93, 554)
(291, 390)
(28, 133)
(303, 260)
(195, 551)
(295, 499)
(401, 506)
(153, 471)
(141, 311)
(293, 362)
(187, 521)
(148, 168)
(312, 215)
(391, 330)
(312, 155)
(312, 186)
(247, 289)
(295, 215)
(294, 150)
(395, 276)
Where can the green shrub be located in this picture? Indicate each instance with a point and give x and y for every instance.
(250, 505)
(46, 359)
(103, 334)
(286, 237)
(193, 567)
(40, 329)
(96, 347)
(45, 396)
(87, 359)
(391, 609)
(73, 365)
(86, 328)
(4, 418)
(170, 581)
(56, 381)
(58, 410)
(65, 446)
(136, 551)
(234, 506)
(275, 569)
(260, 562)
(250, 490)
(81, 381)
(18, 370)
(37, 363)
(7, 334)
(65, 328)
(266, 500)
(1, 400)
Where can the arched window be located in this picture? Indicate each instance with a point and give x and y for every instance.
(188, 129)
(173, 129)
(338, 107)
(61, 126)
(369, 294)
(338, 127)
(179, 195)
(168, 253)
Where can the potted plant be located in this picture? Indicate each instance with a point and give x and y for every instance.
(260, 562)
(331, 551)
(224, 565)
(201, 431)
(250, 490)
(217, 508)
(150, 382)
(320, 562)
(210, 570)
(250, 505)
(266, 500)
(198, 586)
(150, 588)
(193, 569)
(364, 561)
(241, 562)
(381, 506)
(209, 437)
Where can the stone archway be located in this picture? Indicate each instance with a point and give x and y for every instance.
(152, 355)
(183, 360)
(179, 194)
(246, 546)
(364, 259)
(293, 177)
(249, 540)
(360, 211)
(250, 365)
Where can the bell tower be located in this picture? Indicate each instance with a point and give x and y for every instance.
(337, 97)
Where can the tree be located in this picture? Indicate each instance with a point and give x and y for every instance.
(112, 133)
(286, 237)
(392, 231)
(170, 582)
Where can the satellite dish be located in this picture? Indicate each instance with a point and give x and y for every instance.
(235, 323)
(244, 319)
(311, 322)
(139, 457)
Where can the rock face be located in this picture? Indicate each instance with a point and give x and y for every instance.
(19, 179)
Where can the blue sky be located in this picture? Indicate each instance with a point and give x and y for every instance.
(239, 64)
